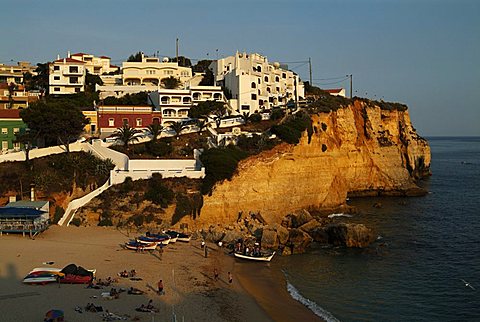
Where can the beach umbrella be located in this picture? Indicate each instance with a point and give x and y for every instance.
(54, 315)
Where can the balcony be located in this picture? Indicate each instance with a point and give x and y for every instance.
(73, 71)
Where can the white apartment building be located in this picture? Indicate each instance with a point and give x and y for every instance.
(174, 104)
(95, 65)
(150, 71)
(255, 83)
(66, 76)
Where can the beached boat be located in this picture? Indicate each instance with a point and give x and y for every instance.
(135, 245)
(40, 278)
(159, 239)
(52, 270)
(264, 257)
(180, 236)
(173, 236)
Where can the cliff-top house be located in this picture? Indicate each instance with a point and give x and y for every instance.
(255, 83)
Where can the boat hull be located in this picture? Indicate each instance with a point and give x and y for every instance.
(255, 258)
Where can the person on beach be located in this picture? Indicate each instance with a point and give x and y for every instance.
(215, 274)
(160, 287)
(230, 278)
(203, 244)
(206, 251)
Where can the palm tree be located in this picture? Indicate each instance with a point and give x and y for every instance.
(177, 127)
(170, 82)
(246, 117)
(201, 124)
(155, 129)
(126, 134)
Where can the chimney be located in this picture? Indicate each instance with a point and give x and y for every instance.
(58, 57)
(12, 198)
(32, 194)
(68, 54)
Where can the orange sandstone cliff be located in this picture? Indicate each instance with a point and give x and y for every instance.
(354, 151)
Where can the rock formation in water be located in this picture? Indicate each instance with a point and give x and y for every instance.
(359, 150)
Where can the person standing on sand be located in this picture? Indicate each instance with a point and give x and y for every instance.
(206, 251)
(230, 278)
(215, 274)
(160, 287)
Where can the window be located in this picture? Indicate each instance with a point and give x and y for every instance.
(73, 69)
(254, 96)
(16, 146)
(266, 79)
(93, 128)
(111, 122)
(284, 75)
(73, 80)
(277, 79)
(139, 122)
(4, 130)
(245, 107)
(259, 69)
(56, 67)
(77, 90)
(56, 89)
(4, 145)
(268, 89)
(56, 77)
(16, 130)
(125, 121)
(254, 85)
(259, 81)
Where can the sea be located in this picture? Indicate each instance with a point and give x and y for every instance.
(427, 249)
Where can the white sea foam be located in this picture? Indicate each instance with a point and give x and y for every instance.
(314, 307)
(339, 215)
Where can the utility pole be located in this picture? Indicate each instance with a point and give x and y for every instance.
(176, 49)
(310, 69)
(351, 85)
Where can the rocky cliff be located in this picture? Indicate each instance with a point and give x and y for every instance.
(356, 150)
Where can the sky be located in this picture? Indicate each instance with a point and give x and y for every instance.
(424, 53)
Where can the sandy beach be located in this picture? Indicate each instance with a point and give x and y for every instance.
(191, 293)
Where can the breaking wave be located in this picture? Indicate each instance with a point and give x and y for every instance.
(314, 307)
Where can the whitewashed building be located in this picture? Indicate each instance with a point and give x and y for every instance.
(256, 84)
(95, 65)
(174, 104)
(150, 71)
(66, 76)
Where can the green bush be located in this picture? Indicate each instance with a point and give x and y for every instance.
(291, 130)
(220, 164)
(277, 113)
(255, 118)
(158, 193)
(76, 222)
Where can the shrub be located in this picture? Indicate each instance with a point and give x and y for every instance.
(157, 192)
(76, 222)
(255, 118)
(277, 113)
(220, 164)
(159, 148)
(291, 130)
(59, 211)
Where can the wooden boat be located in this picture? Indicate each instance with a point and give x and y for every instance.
(264, 257)
(180, 236)
(40, 278)
(164, 240)
(135, 245)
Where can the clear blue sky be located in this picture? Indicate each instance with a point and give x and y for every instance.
(420, 52)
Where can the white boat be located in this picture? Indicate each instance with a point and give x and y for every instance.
(40, 279)
(184, 239)
(45, 269)
(134, 245)
(261, 258)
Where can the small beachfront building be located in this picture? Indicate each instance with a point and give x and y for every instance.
(23, 220)
(10, 124)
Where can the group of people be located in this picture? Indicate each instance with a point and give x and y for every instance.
(245, 250)
(126, 274)
(216, 275)
(147, 308)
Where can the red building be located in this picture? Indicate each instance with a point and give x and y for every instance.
(110, 118)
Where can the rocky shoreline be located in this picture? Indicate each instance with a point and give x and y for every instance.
(294, 235)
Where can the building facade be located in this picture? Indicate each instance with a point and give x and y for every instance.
(255, 83)
(174, 104)
(66, 76)
(150, 71)
(15, 97)
(95, 65)
(14, 73)
(110, 118)
(10, 124)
